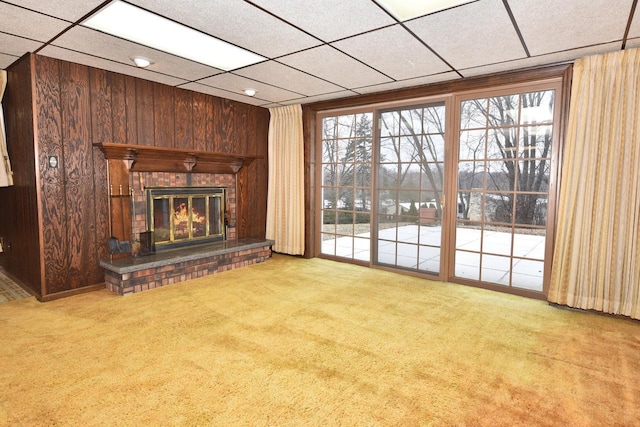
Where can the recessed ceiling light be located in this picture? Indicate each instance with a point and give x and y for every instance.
(140, 26)
(404, 10)
(250, 91)
(141, 62)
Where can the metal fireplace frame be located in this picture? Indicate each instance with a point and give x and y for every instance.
(170, 193)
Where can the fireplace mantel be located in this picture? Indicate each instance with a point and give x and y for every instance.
(142, 158)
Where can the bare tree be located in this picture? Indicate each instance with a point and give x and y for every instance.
(415, 137)
(518, 143)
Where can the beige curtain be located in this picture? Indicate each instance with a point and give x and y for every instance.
(597, 252)
(6, 176)
(285, 199)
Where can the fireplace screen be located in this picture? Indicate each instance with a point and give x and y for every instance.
(181, 216)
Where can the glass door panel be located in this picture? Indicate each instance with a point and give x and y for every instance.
(347, 152)
(410, 179)
(504, 167)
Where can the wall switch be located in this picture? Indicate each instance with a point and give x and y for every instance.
(1, 244)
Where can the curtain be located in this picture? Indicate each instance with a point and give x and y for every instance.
(285, 198)
(596, 261)
(6, 176)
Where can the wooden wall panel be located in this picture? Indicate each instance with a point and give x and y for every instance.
(100, 216)
(201, 131)
(252, 180)
(118, 109)
(131, 112)
(19, 225)
(80, 261)
(184, 106)
(143, 108)
(224, 138)
(164, 115)
(240, 126)
(52, 204)
(101, 115)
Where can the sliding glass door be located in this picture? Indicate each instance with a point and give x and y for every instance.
(505, 150)
(410, 187)
(460, 187)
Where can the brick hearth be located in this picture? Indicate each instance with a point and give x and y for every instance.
(131, 275)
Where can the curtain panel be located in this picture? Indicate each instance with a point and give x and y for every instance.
(285, 198)
(6, 176)
(596, 262)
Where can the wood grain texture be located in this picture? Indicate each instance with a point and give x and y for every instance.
(143, 108)
(118, 108)
(101, 114)
(49, 112)
(101, 213)
(240, 126)
(200, 120)
(131, 111)
(224, 131)
(184, 106)
(80, 256)
(164, 115)
(252, 181)
(19, 224)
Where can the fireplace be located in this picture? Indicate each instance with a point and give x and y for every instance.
(181, 216)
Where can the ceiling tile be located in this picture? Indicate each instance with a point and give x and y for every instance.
(71, 10)
(12, 45)
(272, 105)
(329, 64)
(277, 74)
(25, 23)
(197, 87)
(395, 52)
(99, 44)
(470, 35)
(238, 84)
(632, 43)
(330, 20)
(6, 60)
(634, 31)
(325, 97)
(92, 61)
(236, 22)
(571, 24)
(451, 75)
(553, 58)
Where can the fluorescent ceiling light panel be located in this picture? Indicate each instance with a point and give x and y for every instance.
(137, 25)
(408, 9)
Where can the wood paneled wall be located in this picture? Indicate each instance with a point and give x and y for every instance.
(19, 212)
(76, 106)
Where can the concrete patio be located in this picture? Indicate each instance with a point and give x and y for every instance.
(418, 248)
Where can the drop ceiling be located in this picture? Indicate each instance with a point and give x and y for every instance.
(325, 49)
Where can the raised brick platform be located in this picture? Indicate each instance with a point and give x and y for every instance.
(130, 275)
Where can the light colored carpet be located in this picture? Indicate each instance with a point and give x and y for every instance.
(294, 342)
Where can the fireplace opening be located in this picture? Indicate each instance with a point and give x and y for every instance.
(180, 216)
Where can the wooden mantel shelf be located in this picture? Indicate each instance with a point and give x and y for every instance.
(142, 158)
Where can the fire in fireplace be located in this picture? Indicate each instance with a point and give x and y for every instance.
(180, 216)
